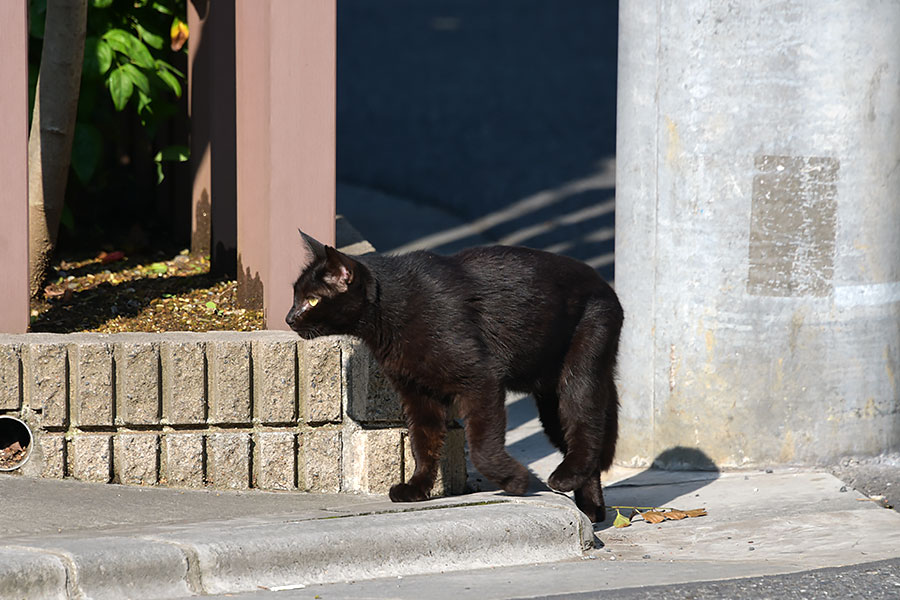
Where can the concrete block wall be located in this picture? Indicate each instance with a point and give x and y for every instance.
(227, 410)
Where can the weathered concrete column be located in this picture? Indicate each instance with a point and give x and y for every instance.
(758, 229)
(14, 167)
(286, 69)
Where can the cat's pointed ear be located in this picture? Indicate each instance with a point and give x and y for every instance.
(339, 269)
(316, 248)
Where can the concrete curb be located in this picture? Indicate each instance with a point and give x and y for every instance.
(250, 554)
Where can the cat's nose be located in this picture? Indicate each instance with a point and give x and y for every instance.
(289, 319)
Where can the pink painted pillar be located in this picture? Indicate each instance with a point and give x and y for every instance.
(286, 69)
(211, 100)
(14, 311)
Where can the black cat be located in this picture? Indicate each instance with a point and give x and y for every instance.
(466, 328)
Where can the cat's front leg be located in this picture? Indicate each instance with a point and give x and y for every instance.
(427, 422)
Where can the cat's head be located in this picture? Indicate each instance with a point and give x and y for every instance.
(329, 294)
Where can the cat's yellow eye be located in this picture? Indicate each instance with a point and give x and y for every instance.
(312, 301)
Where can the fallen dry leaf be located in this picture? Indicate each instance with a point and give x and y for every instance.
(653, 516)
(676, 515)
(697, 512)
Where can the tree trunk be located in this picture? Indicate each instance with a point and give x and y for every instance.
(52, 130)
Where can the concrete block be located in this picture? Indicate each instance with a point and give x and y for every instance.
(275, 460)
(181, 459)
(30, 574)
(90, 457)
(113, 567)
(91, 365)
(45, 380)
(320, 379)
(136, 458)
(228, 460)
(10, 376)
(382, 403)
(184, 381)
(137, 383)
(373, 460)
(52, 448)
(451, 476)
(319, 461)
(369, 397)
(275, 380)
(229, 379)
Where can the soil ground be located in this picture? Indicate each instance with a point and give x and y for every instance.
(112, 292)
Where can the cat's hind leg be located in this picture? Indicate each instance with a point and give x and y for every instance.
(426, 419)
(589, 498)
(588, 404)
(484, 414)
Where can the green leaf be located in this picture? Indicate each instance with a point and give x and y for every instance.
(119, 40)
(104, 56)
(158, 268)
(175, 153)
(126, 44)
(97, 57)
(161, 64)
(170, 153)
(148, 37)
(144, 103)
(138, 78)
(621, 521)
(102, 3)
(171, 81)
(211, 305)
(87, 147)
(120, 87)
(160, 7)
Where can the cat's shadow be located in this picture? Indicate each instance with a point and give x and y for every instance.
(675, 473)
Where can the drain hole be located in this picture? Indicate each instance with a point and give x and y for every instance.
(15, 443)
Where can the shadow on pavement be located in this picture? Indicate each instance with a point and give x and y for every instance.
(675, 473)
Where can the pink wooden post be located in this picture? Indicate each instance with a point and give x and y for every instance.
(14, 311)
(286, 69)
(211, 103)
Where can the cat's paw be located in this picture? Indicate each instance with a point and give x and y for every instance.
(518, 483)
(564, 479)
(594, 511)
(403, 492)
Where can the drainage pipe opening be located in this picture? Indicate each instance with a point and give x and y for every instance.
(15, 443)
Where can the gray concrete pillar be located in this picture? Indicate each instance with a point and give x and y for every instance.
(758, 229)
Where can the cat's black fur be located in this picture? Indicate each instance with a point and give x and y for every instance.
(466, 328)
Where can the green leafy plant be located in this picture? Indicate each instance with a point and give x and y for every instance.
(130, 47)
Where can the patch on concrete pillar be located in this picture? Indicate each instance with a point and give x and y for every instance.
(792, 226)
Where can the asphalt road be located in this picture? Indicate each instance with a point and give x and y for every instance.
(873, 581)
(471, 107)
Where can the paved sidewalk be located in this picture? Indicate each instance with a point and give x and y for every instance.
(68, 539)
(65, 538)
